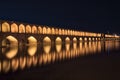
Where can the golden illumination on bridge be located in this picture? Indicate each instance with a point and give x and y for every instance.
(14, 27)
(21, 28)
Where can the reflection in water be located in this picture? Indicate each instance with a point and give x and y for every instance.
(6, 66)
(47, 44)
(47, 48)
(58, 47)
(32, 48)
(22, 62)
(70, 51)
(14, 64)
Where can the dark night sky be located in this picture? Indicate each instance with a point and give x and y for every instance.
(87, 15)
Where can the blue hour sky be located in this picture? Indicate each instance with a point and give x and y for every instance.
(86, 15)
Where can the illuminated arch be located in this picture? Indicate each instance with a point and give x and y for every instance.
(74, 39)
(68, 32)
(47, 40)
(34, 29)
(13, 46)
(85, 39)
(56, 31)
(62, 31)
(89, 39)
(12, 40)
(53, 31)
(44, 30)
(93, 39)
(32, 40)
(40, 30)
(47, 44)
(65, 32)
(21, 28)
(14, 28)
(28, 29)
(58, 40)
(5, 27)
(80, 39)
(48, 30)
(67, 39)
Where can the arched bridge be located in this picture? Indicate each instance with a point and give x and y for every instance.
(23, 33)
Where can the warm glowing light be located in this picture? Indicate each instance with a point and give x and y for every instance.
(5, 27)
(46, 44)
(14, 64)
(32, 40)
(40, 30)
(22, 62)
(28, 29)
(74, 39)
(34, 29)
(21, 28)
(14, 28)
(48, 30)
(44, 30)
(32, 49)
(53, 31)
(67, 39)
(6, 66)
(29, 62)
(12, 52)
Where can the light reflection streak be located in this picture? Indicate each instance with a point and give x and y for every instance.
(69, 52)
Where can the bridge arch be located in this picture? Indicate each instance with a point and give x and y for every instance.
(74, 39)
(80, 39)
(9, 40)
(48, 30)
(56, 31)
(14, 28)
(11, 45)
(67, 39)
(5, 27)
(53, 31)
(32, 40)
(28, 29)
(21, 28)
(40, 30)
(44, 30)
(58, 40)
(34, 29)
(60, 32)
(47, 44)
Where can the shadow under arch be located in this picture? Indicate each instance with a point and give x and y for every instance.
(47, 44)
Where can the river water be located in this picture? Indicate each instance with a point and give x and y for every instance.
(93, 60)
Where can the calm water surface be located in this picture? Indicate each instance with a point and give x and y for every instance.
(98, 60)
